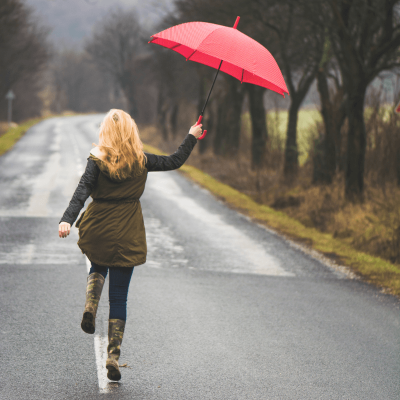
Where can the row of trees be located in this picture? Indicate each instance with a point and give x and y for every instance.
(342, 44)
(112, 70)
(24, 54)
(96, 79)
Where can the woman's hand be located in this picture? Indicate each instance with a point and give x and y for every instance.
(196, 130)
(64, 229)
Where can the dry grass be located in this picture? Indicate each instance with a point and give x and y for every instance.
(13, 134)
(4, 127)
(277, 120)
(10, 135)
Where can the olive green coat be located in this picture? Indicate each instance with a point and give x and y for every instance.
(111, 230)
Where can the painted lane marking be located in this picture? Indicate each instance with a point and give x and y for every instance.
(78, 163)
(57, 176)
(88, 264)
(45, 182)
(100, 349)
(40, 187)
(28, 254)
(100, 340)
(41, 252)
(38, 206)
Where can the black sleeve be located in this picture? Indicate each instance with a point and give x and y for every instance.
(82, 192)
(174, 161)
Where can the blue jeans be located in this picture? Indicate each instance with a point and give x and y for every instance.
(120, 278)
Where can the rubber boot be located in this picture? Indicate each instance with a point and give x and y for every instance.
(116, 329)
(95, 282)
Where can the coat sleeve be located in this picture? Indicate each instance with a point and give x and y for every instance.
(174, 161)
(82, 192)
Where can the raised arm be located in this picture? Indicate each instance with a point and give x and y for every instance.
(174, 161)
(82, 192)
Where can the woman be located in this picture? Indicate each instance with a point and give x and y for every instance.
(111, 230)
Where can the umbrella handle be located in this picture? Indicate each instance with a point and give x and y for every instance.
(204, 132)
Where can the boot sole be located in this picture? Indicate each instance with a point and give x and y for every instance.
(113, 373)
(87, 323)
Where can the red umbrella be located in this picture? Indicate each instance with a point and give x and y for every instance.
(397, 109)
(225, 49)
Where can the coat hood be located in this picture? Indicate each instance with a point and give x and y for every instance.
(126, 173)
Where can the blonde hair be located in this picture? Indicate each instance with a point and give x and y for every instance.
(121, 144)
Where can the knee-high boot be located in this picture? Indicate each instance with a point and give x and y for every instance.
(95, 282)
(116, 329)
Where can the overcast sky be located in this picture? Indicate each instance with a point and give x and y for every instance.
(72, 20)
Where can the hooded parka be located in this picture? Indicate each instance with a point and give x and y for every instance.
(111, 230)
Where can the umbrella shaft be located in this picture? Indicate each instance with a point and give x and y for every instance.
(205, 105)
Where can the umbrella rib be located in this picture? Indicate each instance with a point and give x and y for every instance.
(241, 81)
(174, 47)
(205, 105)
(191, 55)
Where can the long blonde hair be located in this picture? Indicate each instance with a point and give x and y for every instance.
(121, 144)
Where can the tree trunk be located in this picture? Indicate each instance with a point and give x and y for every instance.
(356, 144)
(174, 119)
(318, 159)
(258, 125)
(126, 83)
(208, 123)
(327, 111)
(161, 114)
(219, 138)
(291, 154)
(397, 164)
(234, 116)
(340, 118)
(130, 96)
(132, 104)
(203, 144)
(226, 140)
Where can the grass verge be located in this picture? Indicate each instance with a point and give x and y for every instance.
(372, 269)
(12, 135)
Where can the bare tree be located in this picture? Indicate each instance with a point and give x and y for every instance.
(259, 126)
(299, 50)
(365, 36)
(115, 43)
(175, 82)
(333, 111)
(78, 85)
(24, 54)
(228, 101)
(229, 110)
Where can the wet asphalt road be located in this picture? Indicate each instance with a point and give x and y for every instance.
(223, 309)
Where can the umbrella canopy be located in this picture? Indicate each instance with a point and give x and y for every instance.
(220, 46)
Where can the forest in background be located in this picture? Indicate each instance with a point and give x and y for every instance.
(335, 167)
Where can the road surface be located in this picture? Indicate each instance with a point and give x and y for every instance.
(223, 308)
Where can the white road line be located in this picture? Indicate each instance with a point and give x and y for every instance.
(100, 351)
(42, 186)
(88, 264)
(27, 255)
(100, 341)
